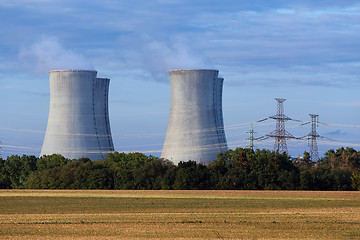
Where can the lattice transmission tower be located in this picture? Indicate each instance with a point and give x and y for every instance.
(313, 135)
(251, 137)
(314, 153)
(280, 134)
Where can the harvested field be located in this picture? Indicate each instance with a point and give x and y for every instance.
(96, 214)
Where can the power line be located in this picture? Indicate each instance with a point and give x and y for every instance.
(231, 128)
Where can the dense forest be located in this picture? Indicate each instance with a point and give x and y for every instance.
(242, 169)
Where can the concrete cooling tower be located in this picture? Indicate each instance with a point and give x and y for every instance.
(78, 123)
(196, 128)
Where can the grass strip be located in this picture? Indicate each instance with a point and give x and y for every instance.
(165, 196)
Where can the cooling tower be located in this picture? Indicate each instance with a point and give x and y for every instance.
(78, 123)
(196, 129)
(102, 116)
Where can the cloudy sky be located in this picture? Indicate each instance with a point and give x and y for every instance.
(305, 51)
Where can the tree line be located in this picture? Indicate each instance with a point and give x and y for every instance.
(239, 169)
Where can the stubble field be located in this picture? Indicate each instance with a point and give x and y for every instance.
(94, 214)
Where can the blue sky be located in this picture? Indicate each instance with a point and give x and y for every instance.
(304, 51)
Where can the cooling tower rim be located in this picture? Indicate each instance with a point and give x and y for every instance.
(72, 70)
(195, 70)
(101, 78)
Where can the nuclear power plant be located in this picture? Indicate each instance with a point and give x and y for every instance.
(196, 128)
(78, 124)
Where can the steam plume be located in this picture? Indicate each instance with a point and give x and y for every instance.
(48, 54)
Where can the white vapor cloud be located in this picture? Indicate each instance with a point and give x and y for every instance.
(160, 57)
(48, 54)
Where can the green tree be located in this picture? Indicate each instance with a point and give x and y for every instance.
(240, 172)
(75, 174)
(305, 162)
(5, 182)
(51, 161)
(89, 174)
(306, 180)
(192, 176)
(122, 167)
(260, 169)
(19, 168)
(341, 179)
(151, 175)
(45, 179)
(355, 180)
(218, 169)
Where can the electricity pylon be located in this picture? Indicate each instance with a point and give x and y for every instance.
(312, 136)
(314, 153)
(251, 137)
(280, 134)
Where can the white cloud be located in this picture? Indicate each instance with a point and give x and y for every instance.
(271, 40)
(160, 57)
(48, 54)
